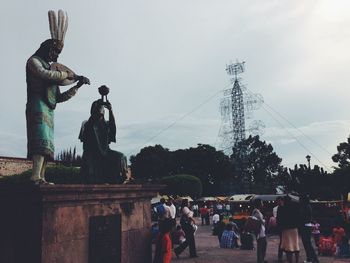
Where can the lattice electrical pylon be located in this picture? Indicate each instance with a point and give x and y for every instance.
(235, 107)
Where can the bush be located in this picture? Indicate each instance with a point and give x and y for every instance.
(56, 174)
(182, 184)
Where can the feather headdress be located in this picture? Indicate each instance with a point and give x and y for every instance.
(58, 28)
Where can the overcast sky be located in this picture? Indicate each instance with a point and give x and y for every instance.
(164, 62)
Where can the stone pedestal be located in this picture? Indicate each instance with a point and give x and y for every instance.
(76, 223)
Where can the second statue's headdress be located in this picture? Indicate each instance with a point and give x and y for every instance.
(58, 27)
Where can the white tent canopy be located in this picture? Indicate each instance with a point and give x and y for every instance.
(240, 198)
(207, 198)
(156, 199)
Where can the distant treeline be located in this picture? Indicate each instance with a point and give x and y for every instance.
(69, 158)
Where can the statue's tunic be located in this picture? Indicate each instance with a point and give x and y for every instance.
(42, 95)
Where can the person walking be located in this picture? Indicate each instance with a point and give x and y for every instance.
(305, 229)
(261, 236)
(187, 222)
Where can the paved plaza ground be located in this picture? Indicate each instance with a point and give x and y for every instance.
(208, 251)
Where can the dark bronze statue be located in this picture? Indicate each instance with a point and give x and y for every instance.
(100, 164)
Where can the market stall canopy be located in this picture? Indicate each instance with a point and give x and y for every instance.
(156, 199)
(180, 198)
(221, 198)
(207, 198)
(240, 198)
(272, 198)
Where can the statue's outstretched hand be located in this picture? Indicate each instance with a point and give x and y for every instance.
(83, 80)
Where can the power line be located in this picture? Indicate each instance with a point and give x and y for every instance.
(291, 124)
(294, 137)
(264, 104)
(179, 119)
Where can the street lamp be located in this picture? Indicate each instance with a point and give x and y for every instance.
(308, 158)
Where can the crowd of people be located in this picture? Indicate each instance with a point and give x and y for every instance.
(292, 220)
(170, 234)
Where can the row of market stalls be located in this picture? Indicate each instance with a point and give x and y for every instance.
(177, 199)
(325, 212)
(240, 198)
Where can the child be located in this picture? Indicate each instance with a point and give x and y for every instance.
(179, 235)
(316, 232)
(163, 242)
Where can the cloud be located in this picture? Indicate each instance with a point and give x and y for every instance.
(318, 139)
(13, 144)
(159, 67)
(285, 141)
(324, 128)
(182, 134)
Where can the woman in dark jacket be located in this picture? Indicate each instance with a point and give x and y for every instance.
(287, 222)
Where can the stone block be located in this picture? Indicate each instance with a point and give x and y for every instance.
(51, 224)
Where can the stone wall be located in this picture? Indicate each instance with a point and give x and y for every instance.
(15, 165)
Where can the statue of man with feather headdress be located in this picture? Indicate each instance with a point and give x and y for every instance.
(43, 93)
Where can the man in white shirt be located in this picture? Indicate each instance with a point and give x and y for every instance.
(216, 218)
(219, 208)
(167, 213)
(172, 210)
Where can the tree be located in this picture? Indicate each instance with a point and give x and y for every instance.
(212, 167)
(315, 182)
(150, 164)
(182, 185)
(342, 172)
(204, 161)
(69, 158)
(258, 166)
(342, 157)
